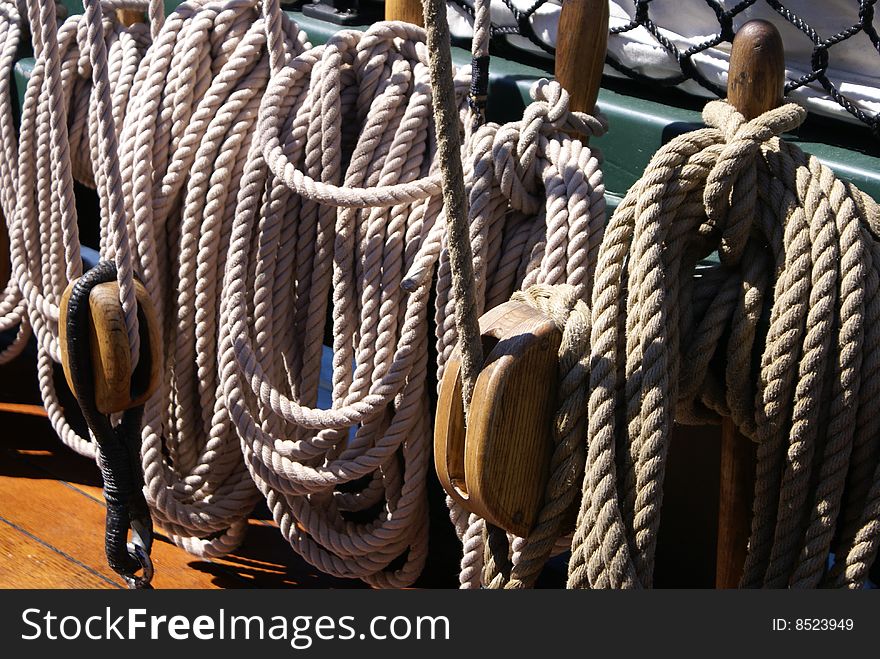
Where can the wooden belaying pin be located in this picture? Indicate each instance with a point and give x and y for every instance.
(754, 85)
(408, 11)
(756, 76)
(581, 42)
(117, 386)
(498, 466)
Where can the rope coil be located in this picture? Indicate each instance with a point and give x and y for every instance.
(260, 180)
(345, 484)
(521, 238)
(795, 246)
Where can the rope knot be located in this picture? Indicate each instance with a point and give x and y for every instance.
(550, 107)
(731, 192)
(518, 146)
(733, 125)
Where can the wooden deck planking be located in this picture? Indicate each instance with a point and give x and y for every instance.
(46, 566)
(52, 497)
(70, 517)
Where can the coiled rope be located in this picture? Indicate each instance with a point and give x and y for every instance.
(536, 212)
(339, 139)
(778, 333)
(667, 345)
(186, 135)
(194, 97)
(44, 237)
(13, 314)
(339, 194)
(198, 127)
(795, 245)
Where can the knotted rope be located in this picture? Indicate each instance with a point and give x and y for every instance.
(511, 239)
(780, 334)
(535, 213)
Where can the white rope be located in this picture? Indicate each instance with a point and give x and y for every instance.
(250, 181)
(186, 135)
(184, 117)
(12, 307)
(345, 149)
(317, 185)
(537, 212)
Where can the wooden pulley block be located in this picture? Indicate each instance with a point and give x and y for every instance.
(117, 387)
(498, 467)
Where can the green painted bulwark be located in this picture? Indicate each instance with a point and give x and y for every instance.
(638, 127)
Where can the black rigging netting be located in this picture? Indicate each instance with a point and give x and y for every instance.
(832, 46)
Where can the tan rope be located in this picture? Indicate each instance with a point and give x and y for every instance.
(672, 337)
(455, 205)
(666, 344)
(505, 171)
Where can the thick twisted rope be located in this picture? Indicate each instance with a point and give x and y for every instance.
(509, 157)
(110, 185)
(520, 236)
(455, 204)
(197, 128)
(184, 118)
(668, 345)
(188, 129)
(339, 194)
(13, 314)
(45, 238)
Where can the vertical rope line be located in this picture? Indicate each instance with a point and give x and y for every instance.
(479, 94)
(156, 14)
(449, 156)
(274, 35)
(108, 156)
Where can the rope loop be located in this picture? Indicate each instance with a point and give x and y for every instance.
(731, 189)
(519, 146)
(367, 52)
(550, 111)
